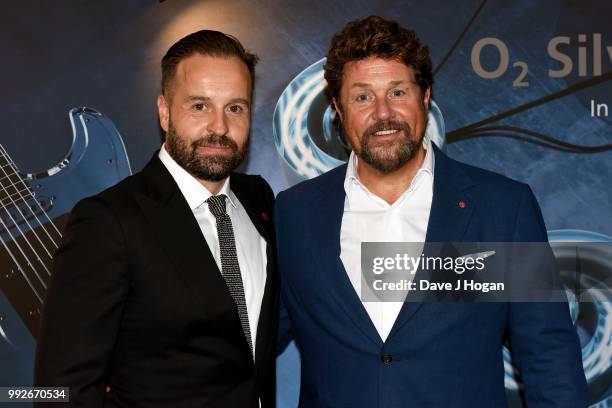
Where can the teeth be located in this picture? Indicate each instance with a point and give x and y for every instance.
(386, 132)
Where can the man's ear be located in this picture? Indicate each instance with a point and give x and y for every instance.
(164, 112)
(337, 108)
(427, 97)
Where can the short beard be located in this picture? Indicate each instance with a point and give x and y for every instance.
(387, 157)
(210, 168)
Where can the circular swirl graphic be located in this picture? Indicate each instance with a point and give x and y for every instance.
(592, 314)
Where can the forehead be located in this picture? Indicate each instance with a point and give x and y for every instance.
(200, 73)
(375, 70)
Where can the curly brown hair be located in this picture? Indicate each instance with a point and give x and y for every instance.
(375, 36)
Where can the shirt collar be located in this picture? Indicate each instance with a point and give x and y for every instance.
(193, 191)
(351, 179)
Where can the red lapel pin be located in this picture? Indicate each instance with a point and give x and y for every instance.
(264, 216)
(461, 204)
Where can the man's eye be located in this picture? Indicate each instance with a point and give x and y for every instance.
(198, 106)
(362, 98)
(398, 93)
(236, 109)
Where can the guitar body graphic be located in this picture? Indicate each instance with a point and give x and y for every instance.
(33, 210)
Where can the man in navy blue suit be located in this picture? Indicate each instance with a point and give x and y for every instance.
(398, 186)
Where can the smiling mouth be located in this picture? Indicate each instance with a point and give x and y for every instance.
(386, 132)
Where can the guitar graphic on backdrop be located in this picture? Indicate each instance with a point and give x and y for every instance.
(33, 211)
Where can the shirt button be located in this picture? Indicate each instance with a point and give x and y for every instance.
(387, 359)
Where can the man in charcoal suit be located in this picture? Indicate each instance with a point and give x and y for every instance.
(164, 291)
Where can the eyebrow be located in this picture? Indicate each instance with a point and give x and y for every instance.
(240, 100)
(192, 98)
(365, 85)
(198, 98)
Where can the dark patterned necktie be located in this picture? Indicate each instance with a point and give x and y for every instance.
(230, 269)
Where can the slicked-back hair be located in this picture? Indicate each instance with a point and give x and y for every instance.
(204, 42)
(375, 36)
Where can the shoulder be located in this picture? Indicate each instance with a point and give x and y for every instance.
(121, 192)
(124, 189)
(251, 182)
(98, 217)
(508, 202)
(495, 186)
(115, 203)
(326, 182)
(254, 188)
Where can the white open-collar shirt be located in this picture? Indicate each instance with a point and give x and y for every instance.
(369, 218)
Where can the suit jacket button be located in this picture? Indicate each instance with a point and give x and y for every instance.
(387, 359)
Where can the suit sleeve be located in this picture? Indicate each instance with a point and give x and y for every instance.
(83, 305)
(285, 327)
(268, 193)
(544, 342)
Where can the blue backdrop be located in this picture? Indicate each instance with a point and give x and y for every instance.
(522, 89)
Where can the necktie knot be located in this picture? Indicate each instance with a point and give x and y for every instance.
(216, 205)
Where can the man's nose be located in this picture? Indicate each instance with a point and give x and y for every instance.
(218, 124)
(382, 109)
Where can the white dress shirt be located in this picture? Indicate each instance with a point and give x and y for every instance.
(369, 218)
(250, 245)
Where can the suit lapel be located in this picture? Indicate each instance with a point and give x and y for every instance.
(180, 236)
(248, 200)
(269, 305)
(265, 325)
(452, 205)
(451, 210)
(326, 249)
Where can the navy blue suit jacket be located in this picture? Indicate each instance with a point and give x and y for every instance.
(437, 354)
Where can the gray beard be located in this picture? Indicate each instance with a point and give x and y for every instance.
(379, 157)
(210, 168)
